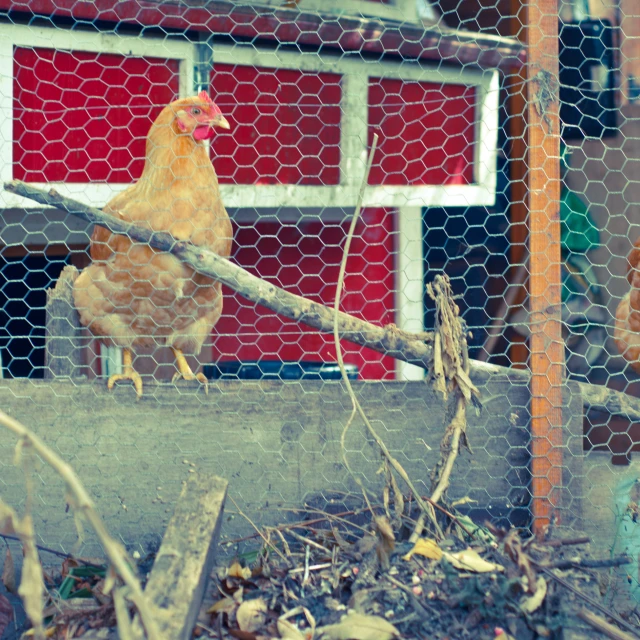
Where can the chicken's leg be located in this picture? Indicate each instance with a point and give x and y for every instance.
(129, 374)
(184, 370)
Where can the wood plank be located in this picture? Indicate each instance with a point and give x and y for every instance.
(185, 559)
(63, 349)
(546, 344)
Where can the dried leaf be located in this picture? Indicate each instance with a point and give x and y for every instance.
(9, 573)
(8, 519)
(236, 570)
(342, 542)
(224, 605)
(513, 547)
(425, 547)
(109, 581)
(357, 626)
(251, 615)
(476, 531)
(386, 540)
(243, 635)
(6, 613)
(470, 560)
(31, 588)
(125, 627)
(398, 498)
(533, 603)
(289, 631)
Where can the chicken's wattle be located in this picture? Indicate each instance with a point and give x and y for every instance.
(203, 132)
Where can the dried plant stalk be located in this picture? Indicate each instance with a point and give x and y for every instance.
(356, 406)
(454, 365)
(83, 505)
(449, 376)
(31, 588)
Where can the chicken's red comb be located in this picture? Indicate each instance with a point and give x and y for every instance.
(205, 97)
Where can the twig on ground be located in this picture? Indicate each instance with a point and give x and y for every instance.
(591, 564)
(84, 506)
(309, 542)
(413, 348)
(603, 626)
(596, 605)
(356, 406)
(253, 524)
(60, 554)
(302, 524)
(564, 542)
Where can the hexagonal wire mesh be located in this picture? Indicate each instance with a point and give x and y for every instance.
(304, 85)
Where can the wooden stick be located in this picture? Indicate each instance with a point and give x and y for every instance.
(184, 561)
(63, 352)
(543, 191)
(388, 340)
(603, 626)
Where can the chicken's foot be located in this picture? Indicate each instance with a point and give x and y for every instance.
(129, 374)
(184, 370)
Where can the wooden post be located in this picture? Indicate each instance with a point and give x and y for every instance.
(63, 353)
(543, 190)
(184, 561)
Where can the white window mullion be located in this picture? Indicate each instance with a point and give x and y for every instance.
(354, 129)
(6, 110)
(410, 282)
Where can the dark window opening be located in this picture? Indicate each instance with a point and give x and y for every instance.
(23, 295)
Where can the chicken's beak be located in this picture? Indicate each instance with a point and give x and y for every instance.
(220, 121)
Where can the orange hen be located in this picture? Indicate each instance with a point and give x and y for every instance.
(133, 295)
(627, 329)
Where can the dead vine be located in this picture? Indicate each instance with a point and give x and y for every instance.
(449, 376)
(356, 406)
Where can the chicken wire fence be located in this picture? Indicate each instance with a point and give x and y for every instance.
(449, 87)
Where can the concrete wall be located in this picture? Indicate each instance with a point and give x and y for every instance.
(278, 444)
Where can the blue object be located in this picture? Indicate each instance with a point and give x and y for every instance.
(277, 370)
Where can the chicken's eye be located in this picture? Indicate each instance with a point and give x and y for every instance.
(196, 112)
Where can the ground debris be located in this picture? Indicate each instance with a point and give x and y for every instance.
(334, 582)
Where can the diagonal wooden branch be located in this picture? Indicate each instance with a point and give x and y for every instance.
(389, 340)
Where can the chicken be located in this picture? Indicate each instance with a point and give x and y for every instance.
(627, 329)
(132, 295)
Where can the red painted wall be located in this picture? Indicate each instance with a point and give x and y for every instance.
(304, 258)
(426, 130)
(285, 125)
(81, 117)
(84, 117)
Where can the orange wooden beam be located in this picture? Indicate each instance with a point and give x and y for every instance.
(543, 196)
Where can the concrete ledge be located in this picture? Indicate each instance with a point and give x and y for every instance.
(276, 443)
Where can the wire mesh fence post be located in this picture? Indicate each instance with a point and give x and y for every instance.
(547, 350)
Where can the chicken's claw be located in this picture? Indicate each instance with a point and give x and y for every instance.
(134, 376)
(184, 371)
(129, 374)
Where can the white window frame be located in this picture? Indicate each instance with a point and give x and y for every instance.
(355, 73)
(11, 36)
